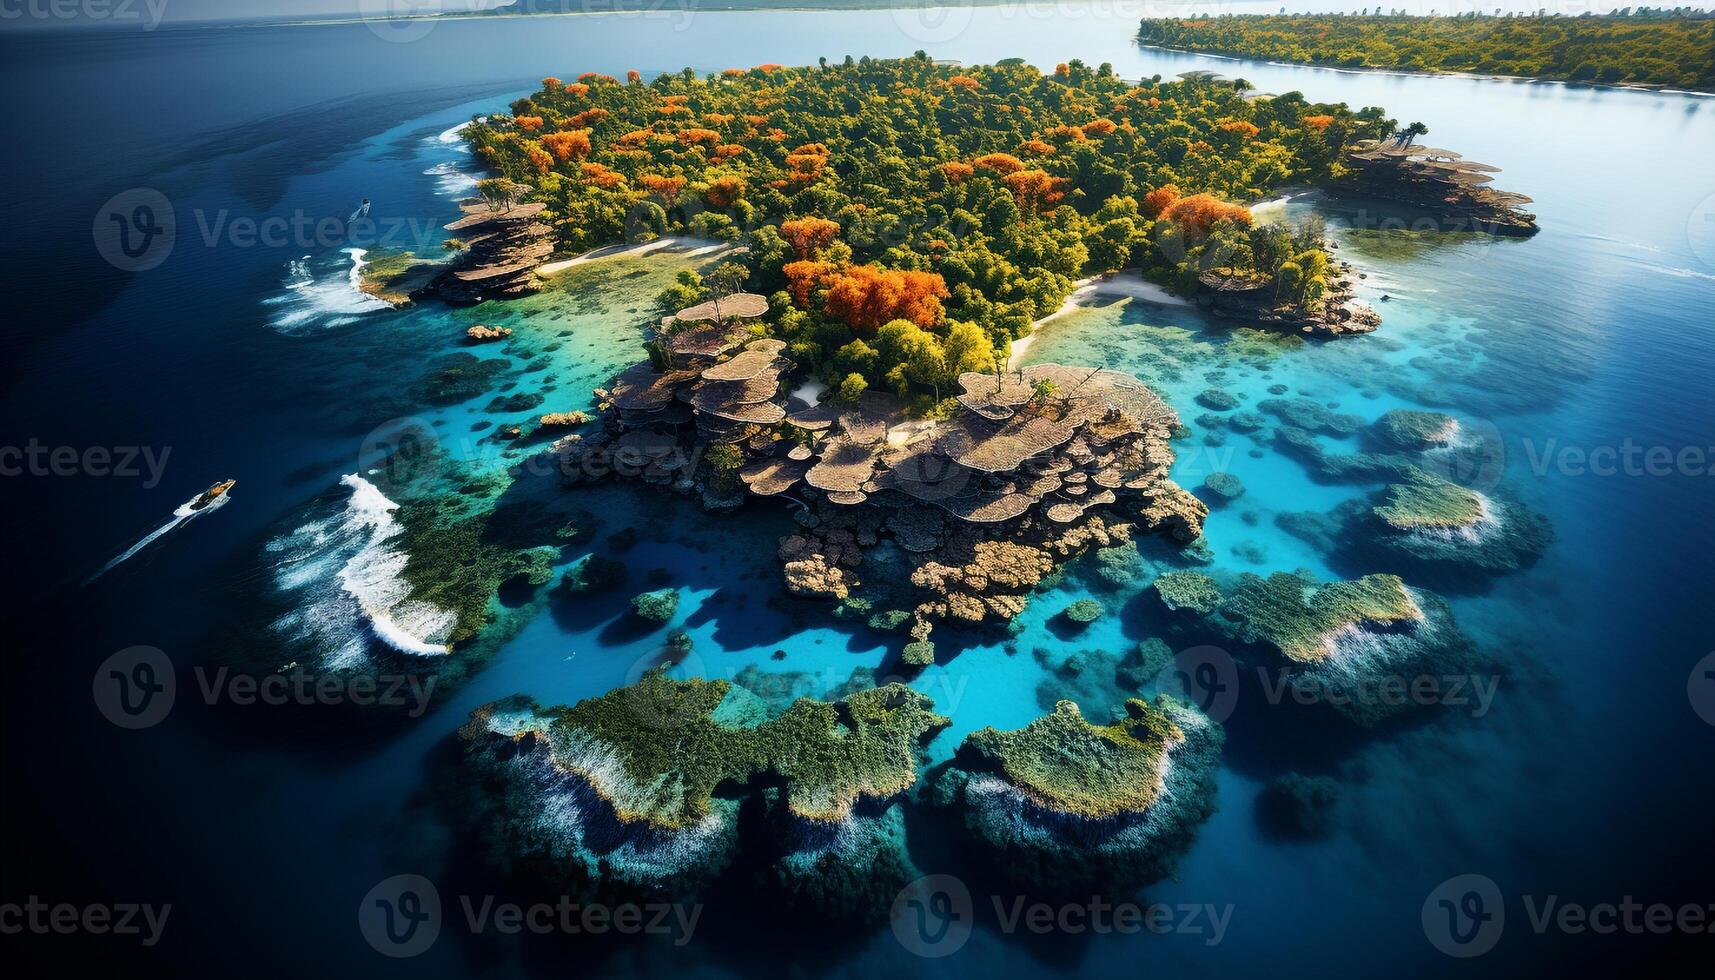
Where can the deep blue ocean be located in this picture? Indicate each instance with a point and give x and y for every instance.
(1587, 351)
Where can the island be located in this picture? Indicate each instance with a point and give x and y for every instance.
(969, 200)
(1644, 46)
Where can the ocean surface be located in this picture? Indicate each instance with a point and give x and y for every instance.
(1593, 342)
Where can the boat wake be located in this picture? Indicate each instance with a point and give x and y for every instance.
(344, 573)
(320, 295)
(182, 515)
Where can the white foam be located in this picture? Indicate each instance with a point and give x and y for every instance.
(349, 570)
(450, 180)
(334, 299)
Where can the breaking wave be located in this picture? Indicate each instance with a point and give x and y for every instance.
(334, 298)
(346, 570)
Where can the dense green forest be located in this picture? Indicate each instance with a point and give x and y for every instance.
(908, 218)
(1644, 47)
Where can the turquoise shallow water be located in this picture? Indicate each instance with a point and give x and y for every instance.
(1586, 779)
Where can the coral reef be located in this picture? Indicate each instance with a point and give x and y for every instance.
(1430, 528)
(1063, 804)
(484, 334)
(1082, 613)
(1225, 486)
(593, 574)
(1191, 592)
(1407, 430)
(456, 377)
(1218, 399)
(1346, 644)
(1312, 416)
(632, 788)
(655, 607)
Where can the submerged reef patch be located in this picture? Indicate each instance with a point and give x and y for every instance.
(1429, 528)
(1064, 804)
(644, 782)
(1338, 643)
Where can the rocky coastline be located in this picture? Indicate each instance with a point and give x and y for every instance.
(1339, 313)
(502, 246)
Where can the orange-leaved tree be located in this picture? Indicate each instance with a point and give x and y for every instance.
(867, 296)
(808, 236)
(1158, 200)
(568, 145)
(1200, 212)
(803, 276)
(1000, 163)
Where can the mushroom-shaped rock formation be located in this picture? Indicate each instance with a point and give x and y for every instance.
(845, 467)
(1440, 181)
(759, 358)
(738, 306)
(503, 247)
(772, 477)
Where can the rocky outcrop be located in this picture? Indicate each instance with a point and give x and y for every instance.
(1453, 190)
(503, 245)
(484, 334)
(1251, 298)
(619, 793)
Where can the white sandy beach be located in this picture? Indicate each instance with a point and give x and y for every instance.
(1126, 285)
(698, 247)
